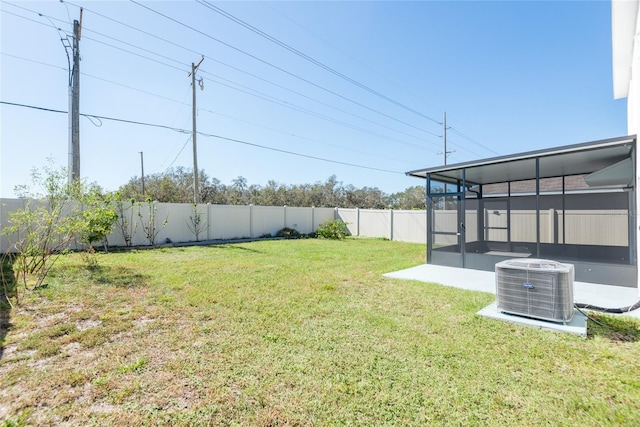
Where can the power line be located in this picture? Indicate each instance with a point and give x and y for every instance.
(34, 61)
(271, 98)
(304, 137)
(242, 120)
(345, 53)
(262, 95)
(282, 69)
(260, 78)
(461, 147)
(209, 135)
(179, 152)
(137, 54)
(258, 94)
(236, 69)
(310, 59)
(457, 132)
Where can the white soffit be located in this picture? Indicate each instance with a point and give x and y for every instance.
(624, 19)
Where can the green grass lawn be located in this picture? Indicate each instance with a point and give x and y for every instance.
(296, 332)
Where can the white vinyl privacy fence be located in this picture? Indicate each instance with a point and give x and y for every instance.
(225, 222)
(605, 227)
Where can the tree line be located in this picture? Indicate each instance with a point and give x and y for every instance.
(176, 186)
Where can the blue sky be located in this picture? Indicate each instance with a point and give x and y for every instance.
(512, 76)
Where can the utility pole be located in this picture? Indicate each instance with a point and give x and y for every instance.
(142, 168)
(196, 186)
(444, 136)
(445, 153)
(74, 104)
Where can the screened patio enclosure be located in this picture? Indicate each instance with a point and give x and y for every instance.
(573, 204)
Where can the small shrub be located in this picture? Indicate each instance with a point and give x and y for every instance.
(288, 233)
(149, 221)
(333, 230)
(126, 223)
(197, 224)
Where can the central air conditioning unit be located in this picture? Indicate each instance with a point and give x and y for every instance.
(536, 288)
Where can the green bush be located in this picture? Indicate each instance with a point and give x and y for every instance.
(333, 230)
(288, 233)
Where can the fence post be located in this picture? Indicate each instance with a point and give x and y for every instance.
(284, 214)
(358, 222)
(391, 224)
(209, 221)
(313, 219)
(552, 226)
(250, 221)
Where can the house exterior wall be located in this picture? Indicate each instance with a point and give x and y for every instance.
(625, 29)
(625, 37)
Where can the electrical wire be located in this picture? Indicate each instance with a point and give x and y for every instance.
(285, 103)
(235, 69)
(457, 132)
(175, 119)
(238, 119)
(137, 54)
(33, 61)
(266, 97)
(461, 147)
(91, 118)
(228, 65)
(209, 135)
(621, 310)
(586, 315)
(310, 59)
(411, 93)
(282, 69)
(252, 75)
(179, 152)
(304, 137)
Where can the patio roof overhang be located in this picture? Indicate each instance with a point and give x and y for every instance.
(577, 159)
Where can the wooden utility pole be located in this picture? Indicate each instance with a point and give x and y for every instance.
(196, 186)
(74, 107)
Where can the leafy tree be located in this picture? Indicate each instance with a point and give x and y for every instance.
(175, 185)
(411, 198)
(55, 213)
(44, 228)
(238, 194)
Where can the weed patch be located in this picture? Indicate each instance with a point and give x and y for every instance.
(615, 328)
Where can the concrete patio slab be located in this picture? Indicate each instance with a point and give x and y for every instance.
(484, 281)
(577, 326)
